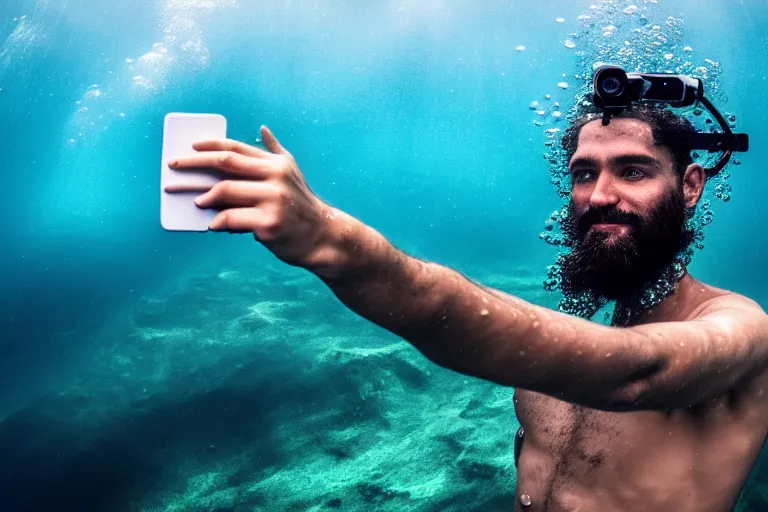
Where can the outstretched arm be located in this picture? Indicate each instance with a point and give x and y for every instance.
(484, 333)
(466, 327)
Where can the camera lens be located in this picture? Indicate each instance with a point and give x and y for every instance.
(611, 86)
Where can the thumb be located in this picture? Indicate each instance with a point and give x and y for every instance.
(270, 141)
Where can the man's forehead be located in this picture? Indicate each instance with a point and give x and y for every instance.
(620, 137)
(634, 129)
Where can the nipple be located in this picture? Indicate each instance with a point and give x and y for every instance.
(525, 500)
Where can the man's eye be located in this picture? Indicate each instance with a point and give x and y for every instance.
(633, 173)
(581, 175)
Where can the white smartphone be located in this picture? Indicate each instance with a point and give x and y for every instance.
(178, 211)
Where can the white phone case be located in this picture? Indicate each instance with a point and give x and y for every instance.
(178, 211)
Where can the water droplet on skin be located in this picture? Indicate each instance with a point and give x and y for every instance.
(484, 312)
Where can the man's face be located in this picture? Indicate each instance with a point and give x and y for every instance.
(627, 210)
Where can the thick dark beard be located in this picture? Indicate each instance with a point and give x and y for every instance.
(622, 270)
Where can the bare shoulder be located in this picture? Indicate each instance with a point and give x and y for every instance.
(724, 302)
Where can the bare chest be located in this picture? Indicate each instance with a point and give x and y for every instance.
(570, 432)
(618, 456)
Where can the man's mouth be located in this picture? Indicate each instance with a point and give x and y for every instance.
(609, 226)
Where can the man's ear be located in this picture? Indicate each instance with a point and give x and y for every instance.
(694, 180)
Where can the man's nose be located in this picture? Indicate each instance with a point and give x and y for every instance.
(604, 193)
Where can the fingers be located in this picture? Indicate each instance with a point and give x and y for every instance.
(236, 194)
(230, 145)
(196, 188)
(271, 143)
(237, 220)
(228, 162)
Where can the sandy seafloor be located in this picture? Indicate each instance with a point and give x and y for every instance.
(243, 390)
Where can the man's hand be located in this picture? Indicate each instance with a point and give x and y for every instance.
(266, 194)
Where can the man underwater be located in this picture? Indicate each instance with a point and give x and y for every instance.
(665, 412)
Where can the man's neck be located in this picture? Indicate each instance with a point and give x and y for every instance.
(688, 294)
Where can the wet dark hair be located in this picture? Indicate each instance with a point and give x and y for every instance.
(665, 127)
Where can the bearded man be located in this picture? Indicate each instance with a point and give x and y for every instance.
(663, 411)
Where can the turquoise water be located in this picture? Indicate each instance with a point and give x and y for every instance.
(146, 370)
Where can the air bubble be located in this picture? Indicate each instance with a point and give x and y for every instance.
(520, 48)
(569, 44)
(563, 85)
(631, 9)
(560, 20)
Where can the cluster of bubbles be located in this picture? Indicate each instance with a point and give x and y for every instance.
(183, 49)
(631, 35)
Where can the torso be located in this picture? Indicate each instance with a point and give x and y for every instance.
(695, 459)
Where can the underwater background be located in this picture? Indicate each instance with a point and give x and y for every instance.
(142, 370)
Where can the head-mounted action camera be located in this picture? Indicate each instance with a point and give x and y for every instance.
(616, 90)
